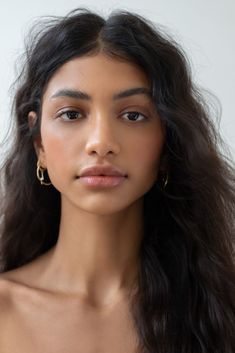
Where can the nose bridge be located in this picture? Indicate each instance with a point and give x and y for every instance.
(100, 121)
(101, 135)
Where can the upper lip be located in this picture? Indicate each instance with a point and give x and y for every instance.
(101, 170)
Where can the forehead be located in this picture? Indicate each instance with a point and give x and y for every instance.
(96, 75)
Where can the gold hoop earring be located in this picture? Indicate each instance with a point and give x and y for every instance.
(40, 174)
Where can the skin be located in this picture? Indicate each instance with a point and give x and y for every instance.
(96, 256)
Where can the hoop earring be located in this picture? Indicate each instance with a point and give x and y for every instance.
(163, 181)
(40, 174)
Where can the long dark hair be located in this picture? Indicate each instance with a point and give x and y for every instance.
(186, 286)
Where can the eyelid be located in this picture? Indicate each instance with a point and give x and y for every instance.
(140, 108)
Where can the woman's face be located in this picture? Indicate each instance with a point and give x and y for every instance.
(98, 110)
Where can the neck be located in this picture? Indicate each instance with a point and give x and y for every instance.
(96, 256)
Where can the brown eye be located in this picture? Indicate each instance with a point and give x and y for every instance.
(70, 115)
(133, 116)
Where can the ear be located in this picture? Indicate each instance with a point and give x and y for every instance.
(38, 146)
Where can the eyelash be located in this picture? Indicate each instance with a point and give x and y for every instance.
(75, 112)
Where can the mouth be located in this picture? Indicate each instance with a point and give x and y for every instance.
(101, 170)
(102, 180)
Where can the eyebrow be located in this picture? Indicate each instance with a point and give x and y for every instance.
(84, 96)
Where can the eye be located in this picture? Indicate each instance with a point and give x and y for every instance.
(133, 116)
(69, 115)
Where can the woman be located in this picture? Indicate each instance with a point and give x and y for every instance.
(118, 210)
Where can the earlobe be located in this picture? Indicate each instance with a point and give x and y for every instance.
(39, 149)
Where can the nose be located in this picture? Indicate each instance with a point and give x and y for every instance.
(101, 138)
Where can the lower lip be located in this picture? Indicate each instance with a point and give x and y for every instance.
(102, 181)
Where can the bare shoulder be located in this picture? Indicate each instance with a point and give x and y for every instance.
(6, 306)
(9, 281)
(13, 284)
(24, 277)
(8, 285)
(5, 289)
(13, 290)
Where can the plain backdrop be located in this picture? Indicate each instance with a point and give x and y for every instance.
(204, 28)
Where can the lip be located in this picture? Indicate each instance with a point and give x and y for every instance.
(102, 170)
(105, 181)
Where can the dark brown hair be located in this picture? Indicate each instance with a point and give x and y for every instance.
(186, 287)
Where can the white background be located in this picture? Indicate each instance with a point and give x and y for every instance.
(205, 29)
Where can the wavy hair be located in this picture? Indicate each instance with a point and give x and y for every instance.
(186, 285)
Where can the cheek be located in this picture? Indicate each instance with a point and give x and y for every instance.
(147, 152)
(57, 149)
(58, 160)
